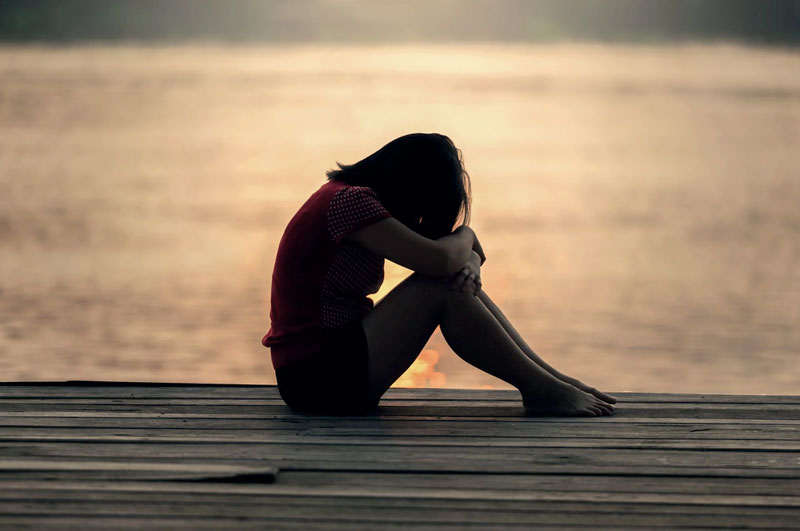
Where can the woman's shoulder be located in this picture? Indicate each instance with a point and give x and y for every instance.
(341, 193)
(332, 195)
(333, 188)
(336, 196)
(323, 195)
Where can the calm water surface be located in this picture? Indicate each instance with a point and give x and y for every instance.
(638, 205)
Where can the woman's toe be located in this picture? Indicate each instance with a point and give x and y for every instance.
(603, 408)
(604, 397)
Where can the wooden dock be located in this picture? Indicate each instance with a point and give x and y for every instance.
(100, 455)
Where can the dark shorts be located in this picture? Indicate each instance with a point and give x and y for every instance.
(332, 381)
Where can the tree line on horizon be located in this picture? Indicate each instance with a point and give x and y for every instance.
(290, 21)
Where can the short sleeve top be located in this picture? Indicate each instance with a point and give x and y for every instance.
(321, 280)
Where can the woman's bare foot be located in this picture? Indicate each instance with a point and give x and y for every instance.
(587, 389)
(563, 400)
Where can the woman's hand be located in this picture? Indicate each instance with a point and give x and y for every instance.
(469, 278)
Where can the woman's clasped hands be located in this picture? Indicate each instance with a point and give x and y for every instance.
(469, 278)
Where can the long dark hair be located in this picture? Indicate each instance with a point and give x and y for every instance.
(419, 178)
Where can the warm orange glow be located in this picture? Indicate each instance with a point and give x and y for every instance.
(422, 372)
(393, 275)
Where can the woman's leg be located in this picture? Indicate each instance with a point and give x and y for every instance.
(403, 321)
(524, 347)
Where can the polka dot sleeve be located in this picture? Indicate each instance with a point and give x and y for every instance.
(352, 208)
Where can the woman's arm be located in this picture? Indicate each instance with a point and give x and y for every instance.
(394, 241)
(479, 250)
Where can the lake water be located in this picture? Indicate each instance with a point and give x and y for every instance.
(638, 205)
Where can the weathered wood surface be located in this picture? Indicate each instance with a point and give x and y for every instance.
(102, 455)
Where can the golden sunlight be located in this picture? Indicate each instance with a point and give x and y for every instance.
(422, 372)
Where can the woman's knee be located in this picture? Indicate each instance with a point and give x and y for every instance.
(425, 279)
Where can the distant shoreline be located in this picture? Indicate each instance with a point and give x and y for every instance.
(441, 45)
(420, 21)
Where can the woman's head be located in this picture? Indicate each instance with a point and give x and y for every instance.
(419, 178)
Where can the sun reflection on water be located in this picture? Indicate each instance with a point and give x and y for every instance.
(422, 372)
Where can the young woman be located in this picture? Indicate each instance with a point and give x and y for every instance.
(334, 352)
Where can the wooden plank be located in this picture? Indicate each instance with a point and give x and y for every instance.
(135, 389)
(377, 510)
(36, 522)
(56, 402)
(234, 392)
(792, 445)
(470, 433)
(397, 508)
(129, 384)
(387, 407)
(300, 522)
(550, 483)
(475, 499)
(273, 399)
(448, 458)
(272, 505)
(624, 397)
(98, 478)
(221, 473)
(40, 418)
(443, 413)
(391, 425)
(454, 495)
(106, 522)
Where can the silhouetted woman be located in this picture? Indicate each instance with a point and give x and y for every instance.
(333, 352)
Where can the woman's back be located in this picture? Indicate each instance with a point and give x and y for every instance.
(321, 280)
